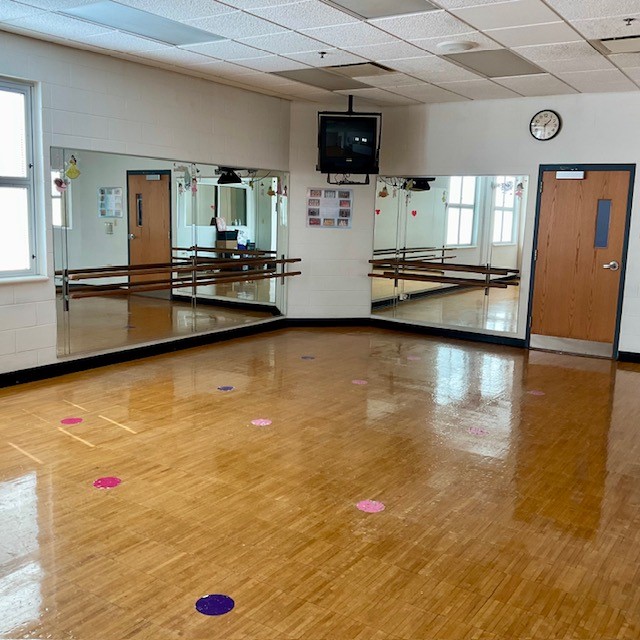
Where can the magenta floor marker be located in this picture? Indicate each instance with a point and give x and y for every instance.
(370, 506)
(226, 388)
(477, 431)
(261, 422)
(359, 382)
(71, 421)
(536, 392)
(108, 482)
(307, 357)
(215, 605)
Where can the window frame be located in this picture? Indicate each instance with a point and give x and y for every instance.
(502, 210)
(28, 182)
(468, 207)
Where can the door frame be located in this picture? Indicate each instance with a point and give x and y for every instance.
(631, 169)
(146, 172)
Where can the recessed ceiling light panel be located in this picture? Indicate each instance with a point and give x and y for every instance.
(140, 23)
(384, 8)
(495, 64)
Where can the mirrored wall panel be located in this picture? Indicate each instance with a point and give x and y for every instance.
(149, 249)
(448, 251)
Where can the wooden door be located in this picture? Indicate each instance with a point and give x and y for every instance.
(149, 200)
(579, 253)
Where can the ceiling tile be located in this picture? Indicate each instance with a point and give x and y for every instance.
(384, 8)
(536, 85)
(380, 96)
(568, 56)
(331, 58)
(483, 43)
(236, 24)
(222, 68)
(429, 93)
(174, 55)
(12, 10)
(268, 80)
(287, 42)
(272, 63)
(56, 5)
(356, 33)
(535, 34)
(431, 69)
(633, 73)
(479, 89)
(584, 10)
(386, 51)
(625, 60)
(226, 50)
(599, 81)
(507, 14)
(389, 80)
(256, 4)
(125, 42)
(61, 26)
(321, 79)
(180, 10)
(608, 27)
(495, 64)
(302, 14)
(422, 25)
(460, 4)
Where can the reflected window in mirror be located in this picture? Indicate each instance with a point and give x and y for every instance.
(461, 211)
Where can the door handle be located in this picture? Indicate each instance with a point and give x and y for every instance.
(132, 236)
(613, 266)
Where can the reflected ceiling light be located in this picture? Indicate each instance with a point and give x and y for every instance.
(228, 176)
(456, 46)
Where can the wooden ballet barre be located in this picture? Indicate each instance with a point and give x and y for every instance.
(470, 282)
(411, 250)
(126, 289)
(434, 266)
(259, 252)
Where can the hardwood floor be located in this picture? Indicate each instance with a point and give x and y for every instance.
(510, 481)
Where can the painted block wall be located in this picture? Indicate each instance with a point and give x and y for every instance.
(95, 102)
(446, 139)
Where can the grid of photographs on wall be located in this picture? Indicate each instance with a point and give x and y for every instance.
(329, 208)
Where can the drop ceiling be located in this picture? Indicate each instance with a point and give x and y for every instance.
(287, 48)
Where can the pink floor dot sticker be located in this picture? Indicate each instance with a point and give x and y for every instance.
(536, 392)
(359, 382)
(261, 422)
(477, 431)
(108, 482)
(71, 421)
(370, 506)
(413, 358)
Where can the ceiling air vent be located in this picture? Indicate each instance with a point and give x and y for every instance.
(626, 44)
(361, 70)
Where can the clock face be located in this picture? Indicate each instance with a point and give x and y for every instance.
(545, 125)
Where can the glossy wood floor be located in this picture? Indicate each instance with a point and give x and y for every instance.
(511, 482)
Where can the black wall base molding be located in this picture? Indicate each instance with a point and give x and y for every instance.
(628, 356)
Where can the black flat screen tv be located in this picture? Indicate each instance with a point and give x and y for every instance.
(348, 144)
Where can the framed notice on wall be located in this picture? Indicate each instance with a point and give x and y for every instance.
(110, 202)
(329, 208)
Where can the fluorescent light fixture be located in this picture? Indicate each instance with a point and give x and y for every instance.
(384, 8)
(140, 23)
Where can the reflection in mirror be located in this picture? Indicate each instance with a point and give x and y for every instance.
(148, 249)
(448, 250)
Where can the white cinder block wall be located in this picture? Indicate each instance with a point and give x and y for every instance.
(492, 138)
(95, 102)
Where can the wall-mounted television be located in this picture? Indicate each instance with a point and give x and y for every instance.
(348, 144)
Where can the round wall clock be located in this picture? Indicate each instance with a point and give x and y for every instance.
(545, 125)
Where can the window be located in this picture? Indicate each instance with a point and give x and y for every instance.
(461, 211)
(17, 245)
(504, 206)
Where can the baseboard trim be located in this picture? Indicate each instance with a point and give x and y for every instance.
(628, 356)
(56, 369)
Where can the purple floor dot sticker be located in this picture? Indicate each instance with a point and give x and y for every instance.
(226, 388)
(308, 357)
(261, 422)
(413, 358)
(477, 431)
(71, 421)
(215, 605)
(535, 392)
(370, 506)
(108, 482)
(359, 382)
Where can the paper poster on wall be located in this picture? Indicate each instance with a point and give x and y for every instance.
(110, 202)
(329, 208)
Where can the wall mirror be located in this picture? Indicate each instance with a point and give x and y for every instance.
(147, 249)
(448, 251)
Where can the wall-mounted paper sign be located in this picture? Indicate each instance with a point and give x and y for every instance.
(110, 202)
(329, 208)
